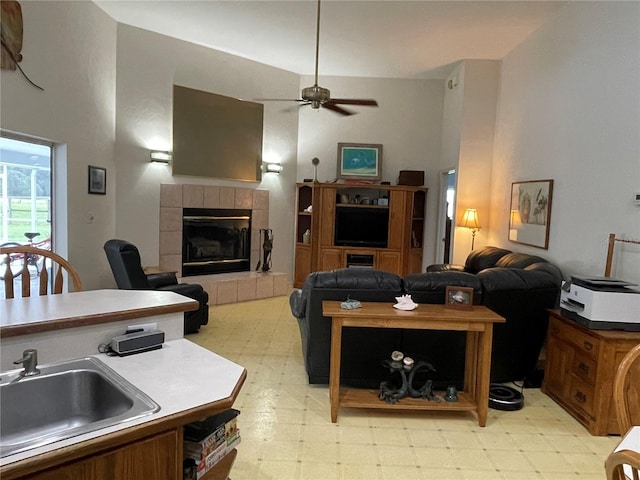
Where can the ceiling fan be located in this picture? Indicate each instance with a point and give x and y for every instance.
(317, 96)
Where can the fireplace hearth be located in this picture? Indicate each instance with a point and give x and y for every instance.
(215, 241)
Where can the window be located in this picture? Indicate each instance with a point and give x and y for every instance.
(25, 191)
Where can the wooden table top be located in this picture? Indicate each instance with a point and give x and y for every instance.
(478, 313)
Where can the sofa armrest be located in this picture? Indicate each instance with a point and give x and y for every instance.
(158, 280)
(445, 267)
(297, 303)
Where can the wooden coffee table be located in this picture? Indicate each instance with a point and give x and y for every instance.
(478, 323)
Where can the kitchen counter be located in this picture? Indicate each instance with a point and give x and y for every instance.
(187, 381)
(180, 377)
(22, 316)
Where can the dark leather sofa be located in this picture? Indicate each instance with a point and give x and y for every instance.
(518, 286)
(124, 260)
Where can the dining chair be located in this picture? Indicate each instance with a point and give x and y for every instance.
(19, 263)
(623, 465)
(626, 390)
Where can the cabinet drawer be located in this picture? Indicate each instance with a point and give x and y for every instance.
(584, 367)
(583, 342)
(581, 395)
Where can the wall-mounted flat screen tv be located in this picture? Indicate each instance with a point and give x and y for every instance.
(361, 227)
(216, 136)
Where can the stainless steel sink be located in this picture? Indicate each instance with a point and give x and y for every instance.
(66, 399)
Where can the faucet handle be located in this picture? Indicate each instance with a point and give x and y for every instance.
(30, 361)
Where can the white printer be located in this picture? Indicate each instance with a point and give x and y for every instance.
(601, 303)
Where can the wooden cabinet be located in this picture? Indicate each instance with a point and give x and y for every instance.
(155, 457)
(579, 370)
(398, 243)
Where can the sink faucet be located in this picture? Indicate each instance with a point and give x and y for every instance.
(30, 362)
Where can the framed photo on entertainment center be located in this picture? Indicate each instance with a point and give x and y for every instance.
(359, 161)
(530, 212)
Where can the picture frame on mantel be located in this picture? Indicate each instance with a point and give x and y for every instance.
(97, 180)
(359, 161)
(530, 212)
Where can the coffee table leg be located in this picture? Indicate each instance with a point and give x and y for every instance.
(334, 368)
(484, 373)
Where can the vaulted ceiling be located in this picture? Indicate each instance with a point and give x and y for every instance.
(367, 38)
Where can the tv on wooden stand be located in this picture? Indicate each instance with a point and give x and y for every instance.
(361, 227)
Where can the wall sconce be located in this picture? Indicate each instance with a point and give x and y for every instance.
(273, 167)
(470, 221)
(161, 156)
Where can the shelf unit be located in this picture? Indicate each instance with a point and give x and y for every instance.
(406, 207)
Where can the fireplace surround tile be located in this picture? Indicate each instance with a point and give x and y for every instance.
(246, 289)
(211, 197)
(227, 291)
(227, 197)
(193, 196)
(261, 200)
(244, 198)
(170, 195)
(170, 219)
(171, 243)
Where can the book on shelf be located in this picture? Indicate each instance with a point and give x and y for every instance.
(208, 441)
(207, 463)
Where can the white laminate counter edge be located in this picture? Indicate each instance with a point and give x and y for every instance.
(180, 376)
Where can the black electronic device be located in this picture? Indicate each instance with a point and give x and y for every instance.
(502, 397)
(137, 342)
(361, 227)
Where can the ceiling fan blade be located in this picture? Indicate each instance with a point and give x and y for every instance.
(296, 107)
(278, 100)
(355, 101)
(337, 109)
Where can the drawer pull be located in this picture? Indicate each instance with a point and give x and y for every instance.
(588, 346)
(581, 397)
(555, 330)
(583, 368)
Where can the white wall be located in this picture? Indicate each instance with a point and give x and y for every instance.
(149, 65)
(468, 135)
(69, 49)
(569, 110)
(407, 122)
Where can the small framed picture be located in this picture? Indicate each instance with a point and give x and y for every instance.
(459, 297)
(359, 161)
(97, 180)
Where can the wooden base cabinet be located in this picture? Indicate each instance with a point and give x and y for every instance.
(398, 245)
(579, 370)
(155, 457)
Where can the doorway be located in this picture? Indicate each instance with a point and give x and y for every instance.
(445, 214)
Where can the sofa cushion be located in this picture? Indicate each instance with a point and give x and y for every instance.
(482, 258)
(493, 279)
(430, 287)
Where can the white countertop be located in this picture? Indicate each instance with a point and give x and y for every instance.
(179, 376)
(90, 303)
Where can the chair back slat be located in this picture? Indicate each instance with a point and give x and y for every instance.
(626, 390)
(25, 254)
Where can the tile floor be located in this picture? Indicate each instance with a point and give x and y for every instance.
(287, 433)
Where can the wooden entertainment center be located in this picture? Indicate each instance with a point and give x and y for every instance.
(360, 226)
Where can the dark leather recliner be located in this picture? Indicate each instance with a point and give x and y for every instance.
(124, 260)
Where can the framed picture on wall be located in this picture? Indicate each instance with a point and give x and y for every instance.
(530, 212)
(97, 180)
(359, 161)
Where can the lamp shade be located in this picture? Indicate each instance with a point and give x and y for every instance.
(470, 219)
